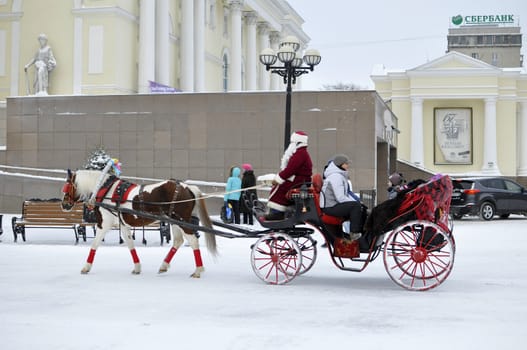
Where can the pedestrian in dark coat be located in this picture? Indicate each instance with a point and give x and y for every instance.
(248, 196)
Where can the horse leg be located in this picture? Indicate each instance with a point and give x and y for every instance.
(194, 244)
(177, 241)
(127, 235)
(99, 236)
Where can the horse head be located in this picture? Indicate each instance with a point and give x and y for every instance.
(69, 191)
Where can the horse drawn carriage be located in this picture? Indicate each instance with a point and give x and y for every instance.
(411, 231)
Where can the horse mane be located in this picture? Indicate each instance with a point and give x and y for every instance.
(85, 180)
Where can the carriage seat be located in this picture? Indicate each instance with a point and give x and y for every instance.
(317, 188)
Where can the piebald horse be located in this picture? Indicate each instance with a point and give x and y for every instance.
(172, 198)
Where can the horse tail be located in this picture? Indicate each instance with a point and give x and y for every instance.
(210, 238)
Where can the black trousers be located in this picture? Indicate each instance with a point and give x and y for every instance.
(348, 210)
(235, 210)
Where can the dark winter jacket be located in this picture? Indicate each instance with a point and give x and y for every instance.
(248, 196)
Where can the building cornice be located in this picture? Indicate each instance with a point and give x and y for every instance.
(11, 16)
(112, 10)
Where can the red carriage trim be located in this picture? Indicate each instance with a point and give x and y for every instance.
(346, 249)
(430, 201)
(317, 188)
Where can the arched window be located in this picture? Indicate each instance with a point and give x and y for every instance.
(225, 72)
(212, 14)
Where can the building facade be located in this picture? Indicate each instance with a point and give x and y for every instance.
(459, 115)
(120, 46)
(497, 46)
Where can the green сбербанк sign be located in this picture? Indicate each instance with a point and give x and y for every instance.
(482, 19)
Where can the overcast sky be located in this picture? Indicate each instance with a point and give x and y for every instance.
(353, 36)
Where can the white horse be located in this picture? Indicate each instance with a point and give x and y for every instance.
(172, 198)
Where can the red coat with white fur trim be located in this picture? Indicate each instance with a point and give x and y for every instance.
(298, 170)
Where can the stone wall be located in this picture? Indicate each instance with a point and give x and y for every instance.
(185, 136)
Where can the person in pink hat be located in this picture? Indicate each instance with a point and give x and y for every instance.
(296, 168)
(248, 196)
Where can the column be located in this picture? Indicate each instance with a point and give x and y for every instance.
(147, 40)
(522, 137)
(263, 41)
(251, 61)
(236, 44)
(490, 158)
(199, 45)
(274, 38)
(15, 56)
(77, 55)
(416, 141)
(186, 46)
(162, 42)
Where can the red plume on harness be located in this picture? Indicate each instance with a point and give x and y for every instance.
(67, 186)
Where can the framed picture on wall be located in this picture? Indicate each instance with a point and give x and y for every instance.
(453, 136)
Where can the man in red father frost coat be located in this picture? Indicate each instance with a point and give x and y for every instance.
(296, 168)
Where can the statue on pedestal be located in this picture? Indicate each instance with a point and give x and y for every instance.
(44, 62)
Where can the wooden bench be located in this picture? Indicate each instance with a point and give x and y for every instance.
(49, 214)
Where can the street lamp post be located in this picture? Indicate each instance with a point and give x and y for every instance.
(291, 68)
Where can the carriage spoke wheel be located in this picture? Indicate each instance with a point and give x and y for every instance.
(308, 247)
(418, 255)
(276, 258)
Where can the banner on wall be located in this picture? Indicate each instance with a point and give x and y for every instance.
(157, 88)
(453, 135)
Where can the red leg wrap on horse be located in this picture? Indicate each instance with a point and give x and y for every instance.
(91, 256)
(170, 255)
(197, 257)
(135, 258)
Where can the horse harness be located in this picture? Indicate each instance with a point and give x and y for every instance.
(120, 194)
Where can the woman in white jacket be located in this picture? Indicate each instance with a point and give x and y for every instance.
(337, 197)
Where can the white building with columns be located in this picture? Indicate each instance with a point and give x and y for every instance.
(120, 46)
(459, 115)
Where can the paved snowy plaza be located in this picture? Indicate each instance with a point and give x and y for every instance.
(45, 303)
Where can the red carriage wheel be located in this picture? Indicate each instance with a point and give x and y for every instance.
(418, 255)
(276, 258)
(308, 247)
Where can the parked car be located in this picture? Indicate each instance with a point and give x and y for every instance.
(487, 197)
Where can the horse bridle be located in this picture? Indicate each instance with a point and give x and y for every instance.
(69, 188)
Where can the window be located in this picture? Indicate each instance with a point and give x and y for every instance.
(488, 39)
(212, 14)
(497, 184)
(225, 22)
(494, 61)
(475, 55)
(513, 187)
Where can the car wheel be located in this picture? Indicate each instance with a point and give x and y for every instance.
(504, 216)
(486, 211)
(457, 216)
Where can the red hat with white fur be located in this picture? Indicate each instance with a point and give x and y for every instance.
(299, 137)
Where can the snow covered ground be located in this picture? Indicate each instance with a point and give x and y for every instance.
(45, 303)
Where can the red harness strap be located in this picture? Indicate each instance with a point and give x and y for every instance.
(119, 195)
(121, 192)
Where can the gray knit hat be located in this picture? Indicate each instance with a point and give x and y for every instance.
(396, 179)
(340, 159)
